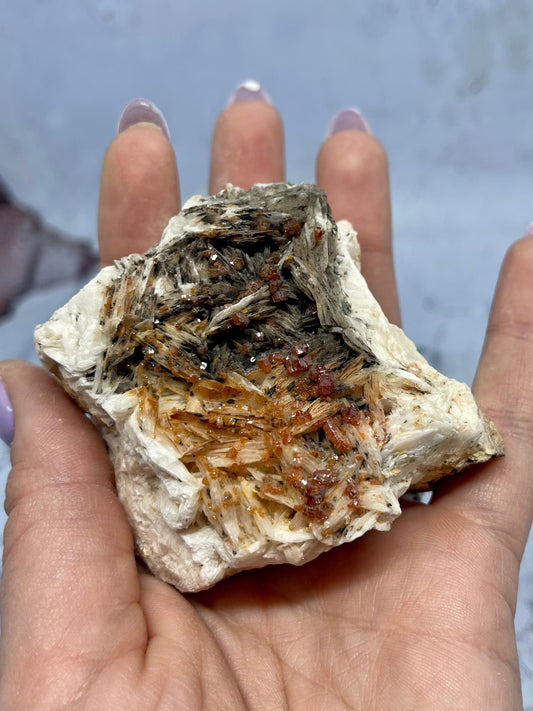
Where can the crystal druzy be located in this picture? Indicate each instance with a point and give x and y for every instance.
(258, 406)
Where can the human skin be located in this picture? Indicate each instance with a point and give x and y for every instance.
(417, 619)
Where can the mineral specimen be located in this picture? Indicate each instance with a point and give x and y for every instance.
(258, 406)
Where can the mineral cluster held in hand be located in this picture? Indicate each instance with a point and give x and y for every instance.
(258, 406)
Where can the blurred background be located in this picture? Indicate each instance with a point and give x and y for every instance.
(446, 85)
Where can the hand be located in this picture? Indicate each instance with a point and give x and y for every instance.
(418, 618)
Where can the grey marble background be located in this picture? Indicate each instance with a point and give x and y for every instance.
(446, 85)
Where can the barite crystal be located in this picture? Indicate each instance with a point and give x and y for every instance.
(258, 406)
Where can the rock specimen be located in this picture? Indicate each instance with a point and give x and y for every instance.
(258, 406)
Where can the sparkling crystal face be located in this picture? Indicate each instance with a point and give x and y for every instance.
(219, 337)
(257, 404)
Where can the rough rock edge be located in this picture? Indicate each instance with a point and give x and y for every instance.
(196, 559)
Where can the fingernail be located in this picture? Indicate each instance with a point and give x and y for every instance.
(348, 120)
(142, 111)
(529, 230)
(6, 417)
(249, 90)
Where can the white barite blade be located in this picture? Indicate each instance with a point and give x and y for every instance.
(258, 406)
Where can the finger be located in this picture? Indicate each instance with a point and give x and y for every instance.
(139, 188)
(501, 495)
(247, 146)
(69, 583)
(352, 168)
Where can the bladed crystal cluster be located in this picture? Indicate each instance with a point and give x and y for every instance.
(258, 406)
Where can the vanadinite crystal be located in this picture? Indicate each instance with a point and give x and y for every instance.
(258, 406)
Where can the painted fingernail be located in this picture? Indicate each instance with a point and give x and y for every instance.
(6, 417)
(249, 90)
(348, 120)
(142, 111)
(529, 230)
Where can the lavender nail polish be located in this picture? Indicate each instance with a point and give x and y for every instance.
(529, 230)
(6, 416)
(348, 120)
(249, 90)
(142, 111)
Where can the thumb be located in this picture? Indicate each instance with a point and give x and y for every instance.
(69, 583)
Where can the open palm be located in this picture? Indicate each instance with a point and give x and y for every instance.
(418, 618)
